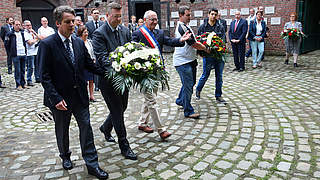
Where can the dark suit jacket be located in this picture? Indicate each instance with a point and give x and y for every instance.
(92, 27)
(253, 30)
(59, 77)
(224, 24)
(137, 36)
(4, 31)
(104, 42)
(241, 30)
(11, 43)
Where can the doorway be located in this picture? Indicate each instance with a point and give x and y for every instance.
(141, 8)
(310, 19)
(33, 10)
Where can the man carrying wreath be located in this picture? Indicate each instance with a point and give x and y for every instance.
(154, 38)
(209, 62)
(105, 40)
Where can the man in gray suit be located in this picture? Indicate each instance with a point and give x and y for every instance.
(105, 40)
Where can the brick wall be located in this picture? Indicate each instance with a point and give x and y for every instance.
(282, 8)
(274, 44)
(8, 9)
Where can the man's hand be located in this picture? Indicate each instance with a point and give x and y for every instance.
(62, 105)
(185, 37)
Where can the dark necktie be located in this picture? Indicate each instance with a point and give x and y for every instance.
(68, 50)
(96, 24)
(116, 35)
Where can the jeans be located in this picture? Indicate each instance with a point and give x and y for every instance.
(30, 67)
(19, 63)
(218, 67)
(256, 45)
(187, 73)
(249, 52)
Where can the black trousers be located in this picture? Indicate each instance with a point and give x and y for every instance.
(117, 105)
(239, 50)
(9, 61)
(62, 122)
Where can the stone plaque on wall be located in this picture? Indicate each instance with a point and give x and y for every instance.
(175, 14)
(244, 11)
(233, 12)
(198, 13)
(224, 12)
(269, 10)
(275, 21)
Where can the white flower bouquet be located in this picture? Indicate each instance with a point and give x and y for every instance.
(134, 64)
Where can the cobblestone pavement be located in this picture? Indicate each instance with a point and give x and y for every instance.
(270, 129)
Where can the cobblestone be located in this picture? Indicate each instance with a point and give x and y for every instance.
(269, 128)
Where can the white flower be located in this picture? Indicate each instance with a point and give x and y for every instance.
(124, 62)
(125, 54)
(130, 47)
(137, 66)
(209, 38)
(121, 49)
(117, 68)
(114, 56)
(158, 61)
(148, 64)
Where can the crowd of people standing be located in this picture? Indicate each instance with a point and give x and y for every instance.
(66, 59)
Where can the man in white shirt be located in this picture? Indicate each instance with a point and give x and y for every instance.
(185, 62)
(17, 48)
(45, 30)
(31, 38)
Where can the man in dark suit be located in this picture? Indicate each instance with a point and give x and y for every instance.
(222, 22)
(5, 29)
(105, 40)
(237, 36)
(63, 59)
(92, 25)
(148, 30)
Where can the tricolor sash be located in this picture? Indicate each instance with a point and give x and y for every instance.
(151, 39)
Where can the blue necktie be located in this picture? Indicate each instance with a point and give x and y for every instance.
(69, 52)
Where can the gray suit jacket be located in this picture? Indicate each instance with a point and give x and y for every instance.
(104, 41)
(92, 27)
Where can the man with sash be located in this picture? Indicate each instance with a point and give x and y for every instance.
(154, 38)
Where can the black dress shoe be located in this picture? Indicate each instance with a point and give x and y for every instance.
(107, 136)
(286, 61)
(129, 154)
(240, 70)
(2, 86)
(67, 164)
(97, 172)
(235, 69)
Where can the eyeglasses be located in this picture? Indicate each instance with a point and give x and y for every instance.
(153, 19)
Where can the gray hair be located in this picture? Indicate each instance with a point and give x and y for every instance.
(182, 9)
(58, 12)
(148, 13)
(113, 5)
(26, 21)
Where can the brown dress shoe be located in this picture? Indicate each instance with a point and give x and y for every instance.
(146, 129)
(194, 116)
(164, 135)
